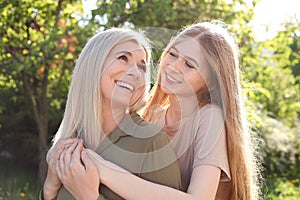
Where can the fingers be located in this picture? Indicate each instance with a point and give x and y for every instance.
(66, 156)
(90, 167)
(77, 151)
(56, 150)
(88, 163)
(69, 163)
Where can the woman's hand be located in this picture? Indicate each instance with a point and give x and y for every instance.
(52, 182)
(77, 173)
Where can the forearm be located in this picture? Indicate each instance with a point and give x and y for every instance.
(132, 187)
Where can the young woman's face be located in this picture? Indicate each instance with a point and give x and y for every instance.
(123, 76)
(183, 69)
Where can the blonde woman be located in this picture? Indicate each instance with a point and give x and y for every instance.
(108, 87)
(198, 101)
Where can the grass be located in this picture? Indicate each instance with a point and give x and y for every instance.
(17, 182)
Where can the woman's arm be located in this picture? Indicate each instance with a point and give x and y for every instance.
(203, 185)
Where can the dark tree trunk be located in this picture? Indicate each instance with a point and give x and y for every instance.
(42, 151)
(40, 108)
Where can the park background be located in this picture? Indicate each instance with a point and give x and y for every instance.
(40, 41)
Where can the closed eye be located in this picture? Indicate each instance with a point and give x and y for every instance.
(173, 54)
(142, 67)
(189, 65)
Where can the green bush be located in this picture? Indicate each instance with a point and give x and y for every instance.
(280, 147)
(281, 189)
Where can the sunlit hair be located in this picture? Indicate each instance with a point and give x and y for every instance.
(224, 89)
(82, 117)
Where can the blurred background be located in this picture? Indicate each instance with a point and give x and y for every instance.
(40, 41)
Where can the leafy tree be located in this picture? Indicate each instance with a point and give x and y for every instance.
(40, 41)
(274, 99)
(269, 69)
(169, 13)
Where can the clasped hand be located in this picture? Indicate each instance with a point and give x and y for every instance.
(69, 164)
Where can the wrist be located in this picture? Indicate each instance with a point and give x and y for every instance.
(50, 189)
(104, 174)
(48, 195)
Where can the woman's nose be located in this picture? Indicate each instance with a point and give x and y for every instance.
(176, 65)
(134, 71)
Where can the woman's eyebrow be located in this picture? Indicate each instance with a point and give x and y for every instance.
(174, 49)
(124, 52)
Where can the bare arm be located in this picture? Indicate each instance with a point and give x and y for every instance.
(203, 185)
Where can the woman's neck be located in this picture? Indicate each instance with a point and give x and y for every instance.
(180, 108)
(111, 118)
(177, 111)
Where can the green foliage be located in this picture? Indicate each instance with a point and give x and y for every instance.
(39, 38)
(168, 14)
(280, 145)
(271, 83)
(281, 189)
(40, 42)
(273, 93)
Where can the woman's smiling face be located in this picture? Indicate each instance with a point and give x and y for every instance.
(123, 77)
(183, 69)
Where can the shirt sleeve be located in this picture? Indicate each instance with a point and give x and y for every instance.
(210, 146)
(160, 164)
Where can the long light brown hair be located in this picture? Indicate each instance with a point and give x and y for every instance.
(223, 85)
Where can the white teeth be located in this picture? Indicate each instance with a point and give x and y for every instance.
(125, 85)
(171, 79)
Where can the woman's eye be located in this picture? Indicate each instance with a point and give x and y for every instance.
(142, 67)
(123, 57)
(172, 54)
(189, 65)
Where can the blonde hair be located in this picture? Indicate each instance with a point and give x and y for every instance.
(82, 117)
(224, 88)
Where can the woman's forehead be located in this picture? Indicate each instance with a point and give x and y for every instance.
(131, 47)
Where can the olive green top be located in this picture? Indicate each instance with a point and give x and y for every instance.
(141, 148)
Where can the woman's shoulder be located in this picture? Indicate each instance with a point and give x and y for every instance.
(209, 108)
(209, 111)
